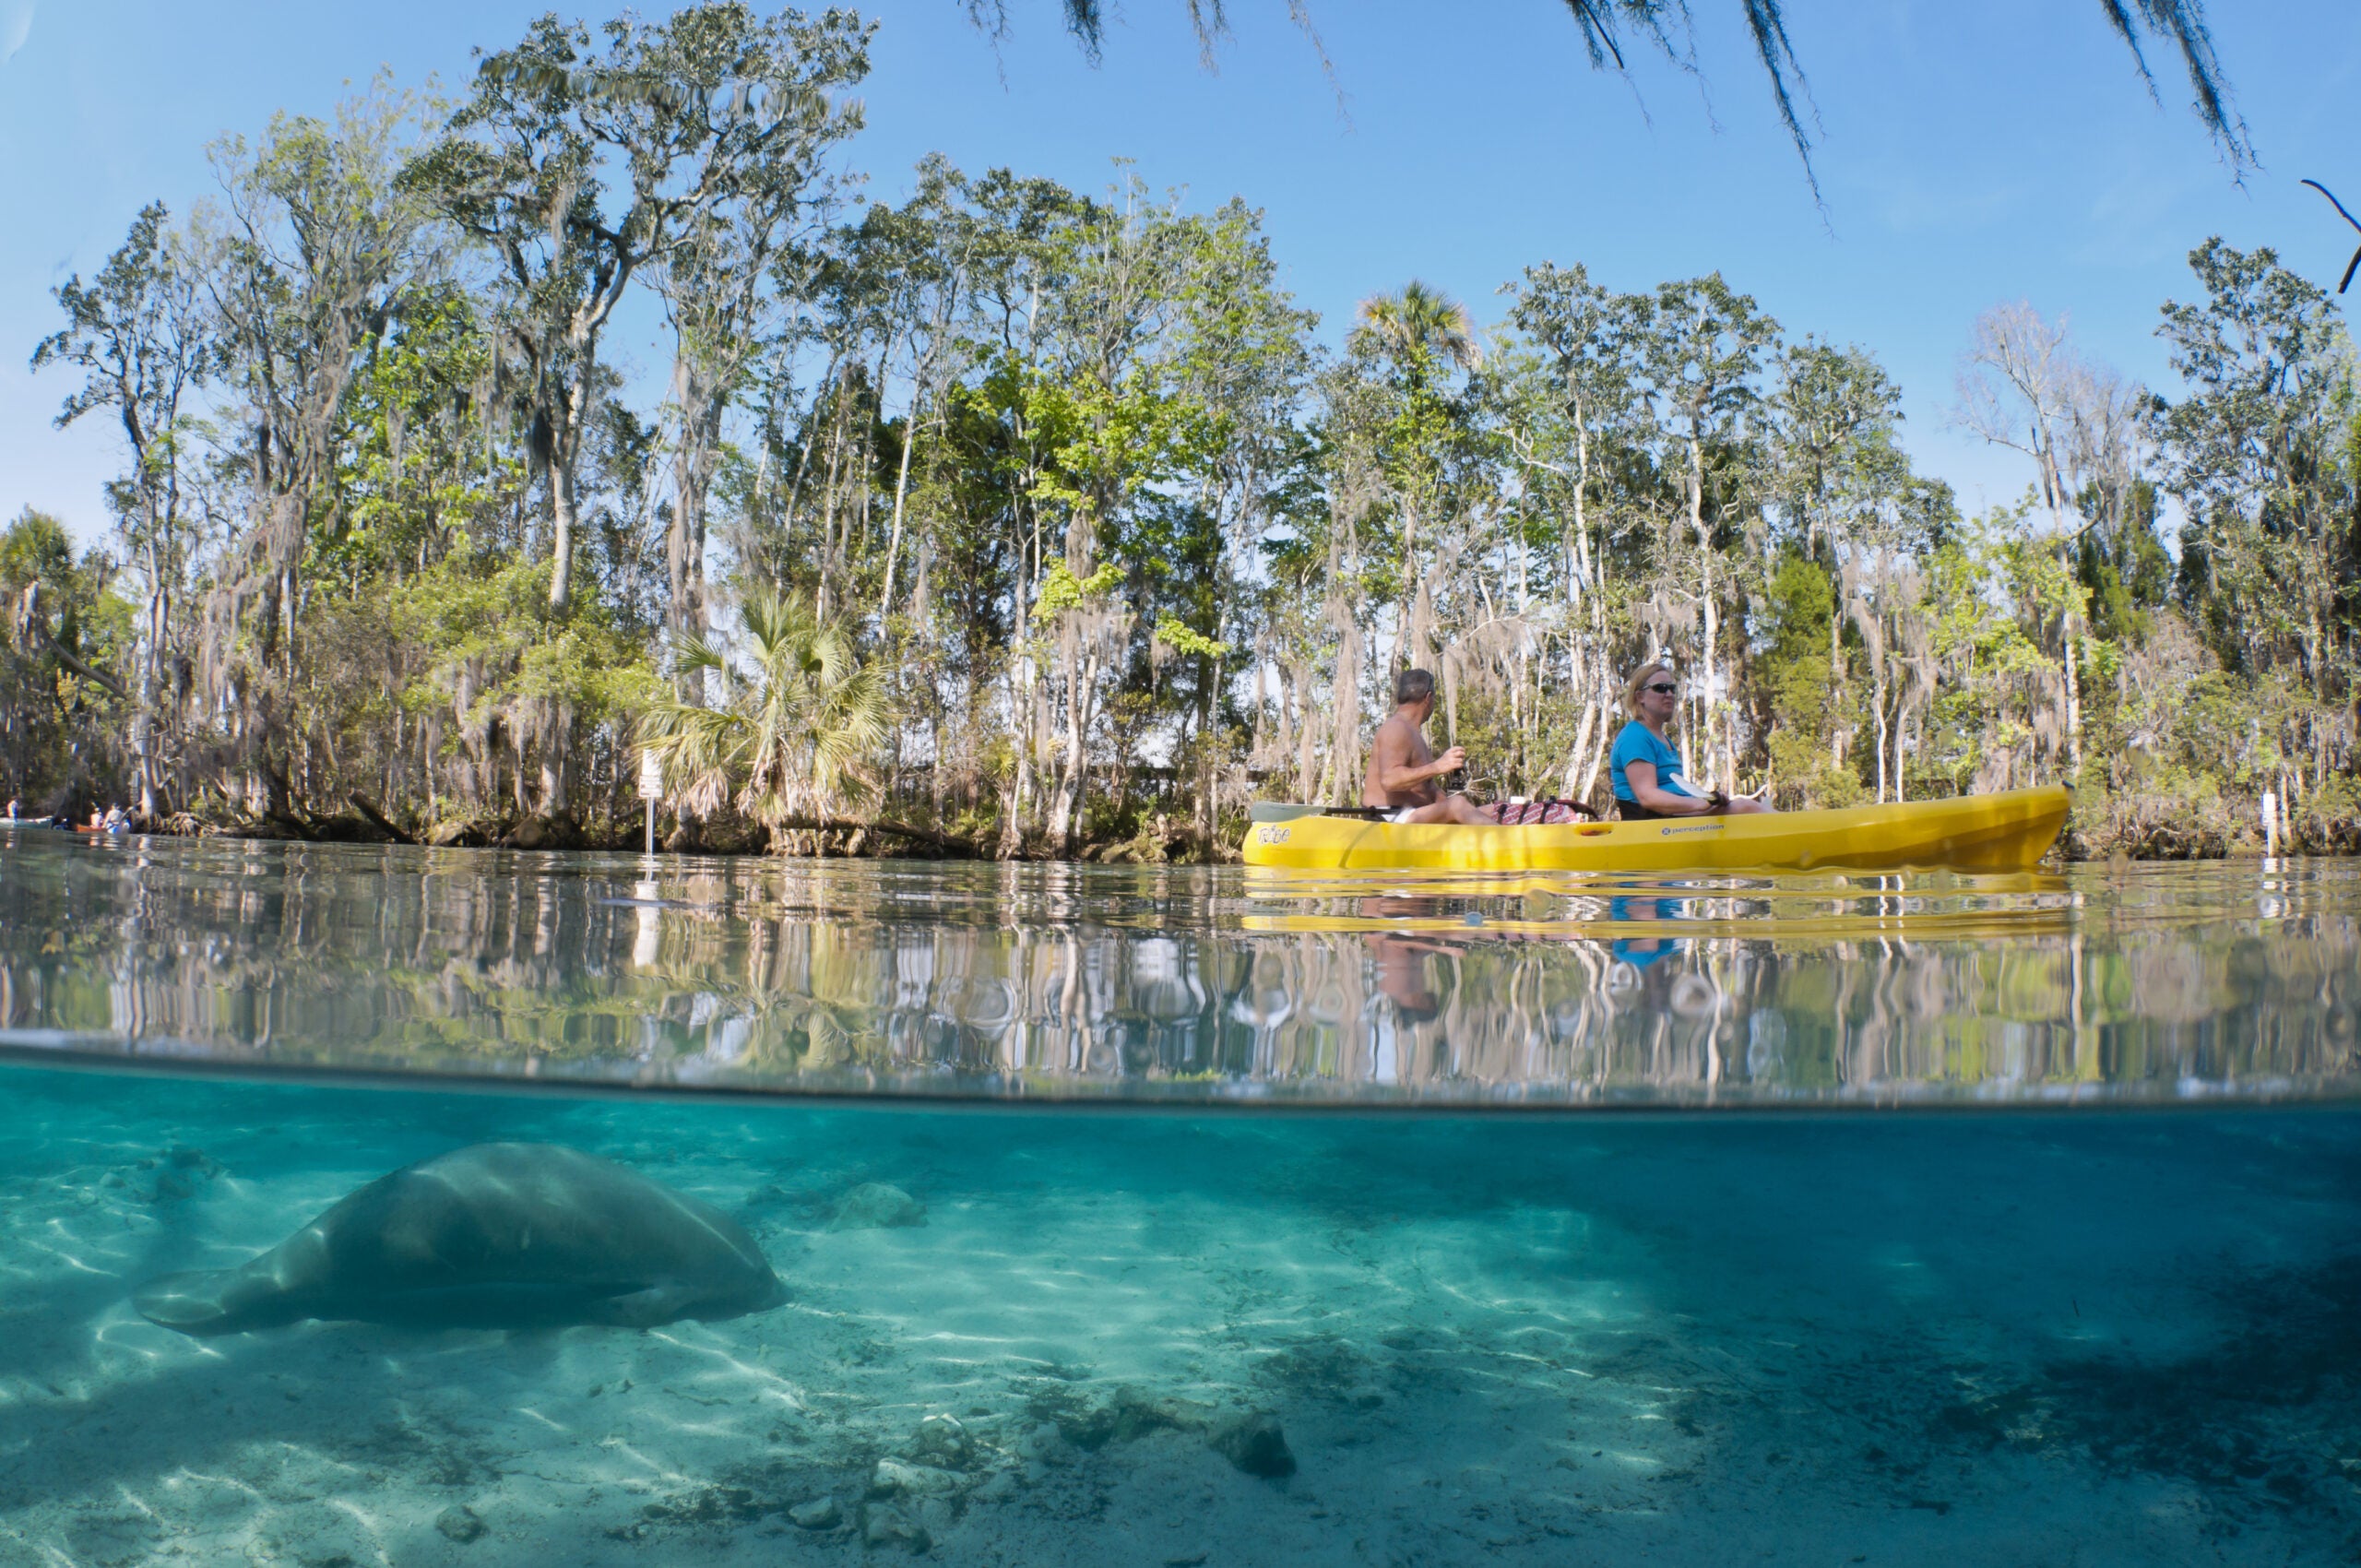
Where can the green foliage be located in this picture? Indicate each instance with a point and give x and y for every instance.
(1182, 638)
(797, 727)
(480, 632)
(62, 667)
(1061, 590)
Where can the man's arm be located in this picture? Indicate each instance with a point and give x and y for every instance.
(1397, 774)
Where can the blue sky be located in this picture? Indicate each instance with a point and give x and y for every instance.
(1968, 155)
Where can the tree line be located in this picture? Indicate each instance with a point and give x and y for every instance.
(1040, 521)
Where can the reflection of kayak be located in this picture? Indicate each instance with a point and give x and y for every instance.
(1932, 925)
(2010, 831)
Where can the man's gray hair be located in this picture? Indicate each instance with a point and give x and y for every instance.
(1413, 685)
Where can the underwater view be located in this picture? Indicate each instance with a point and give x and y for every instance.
(401, 1207)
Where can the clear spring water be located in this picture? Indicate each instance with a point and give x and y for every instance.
(1801, 1221)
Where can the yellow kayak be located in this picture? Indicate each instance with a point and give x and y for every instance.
(2010, 831)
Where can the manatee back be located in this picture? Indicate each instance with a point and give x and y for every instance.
(493, 1235)
(510, 1216)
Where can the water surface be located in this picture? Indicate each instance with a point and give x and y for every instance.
(2134, 983)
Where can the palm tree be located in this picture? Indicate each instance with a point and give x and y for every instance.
(1667, 27)
(1420, 330)
(795, 724)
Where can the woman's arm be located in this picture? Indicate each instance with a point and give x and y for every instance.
(1642, 776)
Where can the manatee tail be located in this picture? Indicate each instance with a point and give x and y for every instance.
(207, 1302)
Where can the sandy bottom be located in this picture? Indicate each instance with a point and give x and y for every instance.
(1998, 1340)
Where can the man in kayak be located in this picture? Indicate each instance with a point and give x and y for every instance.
(1646, 767)
(1403, 768)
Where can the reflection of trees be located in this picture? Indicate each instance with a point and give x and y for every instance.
(1049, 974)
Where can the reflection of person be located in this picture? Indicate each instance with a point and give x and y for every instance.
(1402, 960)
(1403, 768)
(1640, 950)
(1646, 767)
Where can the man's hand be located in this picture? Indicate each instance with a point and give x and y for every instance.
(1450, 762)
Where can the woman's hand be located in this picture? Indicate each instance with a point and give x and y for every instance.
(1666, 803)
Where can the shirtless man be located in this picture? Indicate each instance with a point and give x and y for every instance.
(1402, 767)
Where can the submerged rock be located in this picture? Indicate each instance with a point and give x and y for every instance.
(882, 1524)
(873, 1206)
(1127, 1415)
(892, 1477)
(820, 1514)
(1252, 1441)
(460, 1523)
(942, 1439)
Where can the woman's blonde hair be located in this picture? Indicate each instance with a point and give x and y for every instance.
(1639, 682)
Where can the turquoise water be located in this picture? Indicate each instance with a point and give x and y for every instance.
(1207, 1220)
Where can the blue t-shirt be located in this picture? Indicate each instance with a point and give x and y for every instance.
(1639, 743)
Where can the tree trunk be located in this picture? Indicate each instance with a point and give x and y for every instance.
(1307, 755)
(1339, 787)
(701, 411)
(1065, 808)
(1901, 740)
(1020, 705)
(1708, 704)
(2073, 704)
(901, 491)
(563, 515)
(1877, 700)
(1209, 705)
(1577, 682)
(159, 614)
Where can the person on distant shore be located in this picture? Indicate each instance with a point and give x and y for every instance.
(12, 809)
(1646, 767)
(1403, 768)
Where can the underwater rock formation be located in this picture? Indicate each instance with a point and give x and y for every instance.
(873, 1206)
(497, 1236)
(1251, 1441)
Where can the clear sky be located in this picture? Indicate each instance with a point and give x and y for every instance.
(1968, 155)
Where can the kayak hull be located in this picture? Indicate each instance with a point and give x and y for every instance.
(2005, 832)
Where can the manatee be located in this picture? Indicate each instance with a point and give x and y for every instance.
(493, 1236)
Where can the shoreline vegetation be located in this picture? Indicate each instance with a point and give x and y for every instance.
(1019, 521)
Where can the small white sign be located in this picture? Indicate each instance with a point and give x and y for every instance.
(651, 776)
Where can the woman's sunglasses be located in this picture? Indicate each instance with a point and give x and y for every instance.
(1661, 688)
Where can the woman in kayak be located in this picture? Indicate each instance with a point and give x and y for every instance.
(1646, 767)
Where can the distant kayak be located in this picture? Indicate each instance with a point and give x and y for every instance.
(2009, 831)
